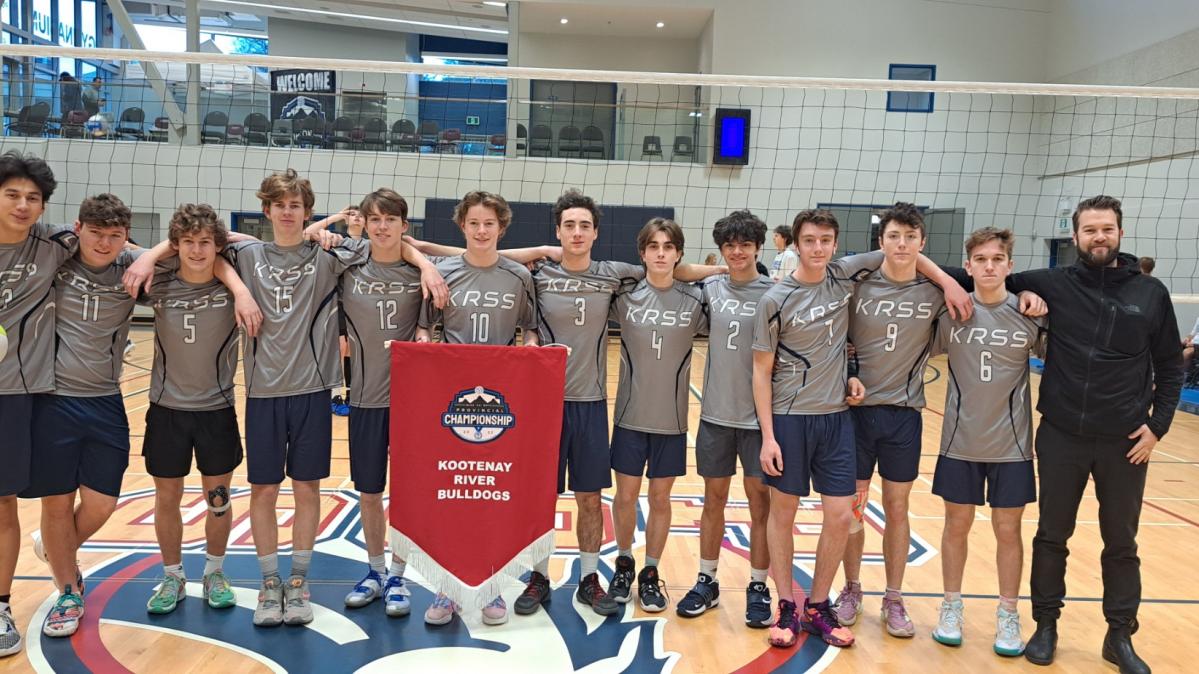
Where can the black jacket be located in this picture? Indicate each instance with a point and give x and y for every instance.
(1114, 360)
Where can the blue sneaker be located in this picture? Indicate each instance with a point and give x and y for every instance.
(339, 406)
(395, 597)
(367, 590)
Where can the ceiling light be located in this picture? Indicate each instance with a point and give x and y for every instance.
(564, 20)
(303, 10)
(661, 24)
(495, 4)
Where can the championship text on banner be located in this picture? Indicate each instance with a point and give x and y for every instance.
(474, 462)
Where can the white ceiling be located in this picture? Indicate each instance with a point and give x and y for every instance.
(615, 20)
(451, 18)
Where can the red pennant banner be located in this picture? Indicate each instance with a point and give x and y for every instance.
(474, 462)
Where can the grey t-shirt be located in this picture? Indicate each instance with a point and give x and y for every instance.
(296, 350)
(572, 309)
(487, 304)
(195, 342)
(988, 407)
(381, 302)
(656, 332)
(805, 326)
(91, 324)
(728, 377)
(27, 271)
(892, 331)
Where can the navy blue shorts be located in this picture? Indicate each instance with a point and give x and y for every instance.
(16, 420)
(818, 453)
(78, 442)
(1011, 484)
(583, 447)
(632, 451)
(888, 435)
(370, 437)
(288, 436)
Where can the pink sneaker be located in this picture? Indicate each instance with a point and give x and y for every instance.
(441, 611)
(820, 620)
(849, 604)
(495, 613)
(895, 617)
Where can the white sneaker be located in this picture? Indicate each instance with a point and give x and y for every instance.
(1008, 640)
(949, 627)
(39, 548)
(10, 637)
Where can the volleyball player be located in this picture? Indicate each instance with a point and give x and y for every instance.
(473, 318)
(986, 437)
(381, 301)
(786, 260)
(659, 317)
(728, 426)
(30, 253)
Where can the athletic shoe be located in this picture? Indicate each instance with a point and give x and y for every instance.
(785, 630)
(339, 406)
(367, 590)
(591, 593)
(10, 637)
(395, 598)
(757, 605)
(536, 593)
(297, 607)
(849, 604)
(441, 611)
(622, 580)
(702, 597)
(168, 595)
(650, 590)
(39, 551)
(1008, 640)
(949, 626)
(218, 591)
(495, 613)
(895, 618)
(63, 619)
(269, 612)
(819, 619)
(128, 349)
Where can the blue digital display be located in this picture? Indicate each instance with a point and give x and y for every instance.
(732, 137)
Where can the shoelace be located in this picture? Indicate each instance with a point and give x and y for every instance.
(395, 588)
(895, 611)
(786, 618)
(535, 588)
(7, 624)
(655, 587)
(622, 580)
(949, 616)
(442, 601)
(1009, 625)
(170, 585)
(830, 617)
(498, 602)
(594, 590)
(363, 588)
(217, 580)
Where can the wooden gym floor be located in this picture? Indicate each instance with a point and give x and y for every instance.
(121, 565)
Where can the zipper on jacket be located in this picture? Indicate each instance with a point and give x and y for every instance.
(1086, 384)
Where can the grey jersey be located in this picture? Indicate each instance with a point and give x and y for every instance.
(572, 309)
(487, 304)
(195, 342)
(891, 328)
(27, 272)
(988, 407)
(296, 350)
(728, 377)
(91, 324)
(656, 331)
(805, 327)
(381, 302)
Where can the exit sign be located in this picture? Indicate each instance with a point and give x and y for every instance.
(472, 120)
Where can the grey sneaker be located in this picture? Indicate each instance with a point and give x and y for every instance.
(297, 609)
(270, 603)
(10, 637)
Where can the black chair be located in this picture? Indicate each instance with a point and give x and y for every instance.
(570, 142)
(403, 136)
(343, 127)
(160, 131)
(374, 134)
(258, 129)
(522, 137)
(541, 141)
(282, 133)
(73, 124)
(651, 146)
(215, 128)
(497, 144)
(311, 132)
(593, 143)
(448, 141)
(131, 124)
(31, 120)
(684, 147)
(427, 132)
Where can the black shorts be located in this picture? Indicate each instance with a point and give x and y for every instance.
(78, 441)
(818, 453)
(718, 447)
(370, 437)
(888, 435)
(172, 435)
(16, 445)
(583, 447)
(1011, 484)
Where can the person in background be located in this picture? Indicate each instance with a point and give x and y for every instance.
(70, 94)
(1147, 265)
(786, 261)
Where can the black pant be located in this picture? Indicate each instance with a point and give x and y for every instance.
(1065, 461)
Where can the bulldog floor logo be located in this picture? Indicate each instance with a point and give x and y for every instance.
(566, 636)
(478, 415)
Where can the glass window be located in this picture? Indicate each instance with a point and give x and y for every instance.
(66, 23)
(911, 101)
(42, 23)
(87, 24)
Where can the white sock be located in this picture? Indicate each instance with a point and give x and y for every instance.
(378, 564)
(300, 561)
(175, 570)
(543, 567)
(651, 561)
(708, 567)
(625, 553)
(588, 563)
(397, 567)
(213, 563)
(758, 575)
(952, 597)
(269, 565)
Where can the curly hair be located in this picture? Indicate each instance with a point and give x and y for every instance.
(197, 219)
(573, 198)
(739, 226)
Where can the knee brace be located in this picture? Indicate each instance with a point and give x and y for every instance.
(218, 500)
(859, 510)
